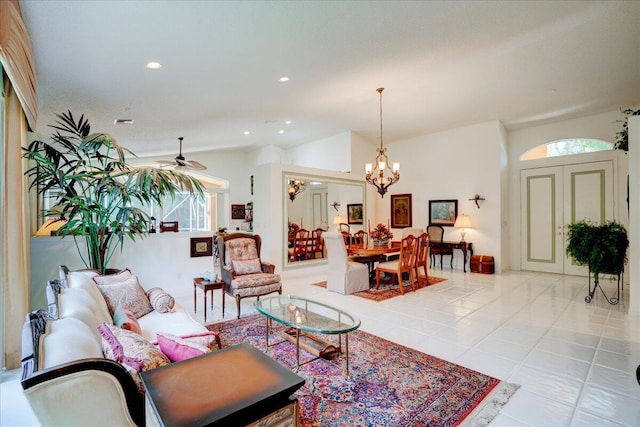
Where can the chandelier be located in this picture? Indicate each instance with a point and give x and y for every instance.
(378, 179)
(296, 186)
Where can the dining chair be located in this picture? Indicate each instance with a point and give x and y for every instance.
(346, 236)
(422, 253)
(436, 233)
(404, 264)
(300, 247)
(343, 275)
(317, 244)
(359, 237)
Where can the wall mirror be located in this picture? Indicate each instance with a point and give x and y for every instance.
(314, 208)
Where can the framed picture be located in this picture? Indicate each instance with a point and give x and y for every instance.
(237, 212)
(354, 213)
(201, 246)
(400, 210)
(443, 212)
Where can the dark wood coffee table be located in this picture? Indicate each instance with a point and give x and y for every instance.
(233, 386)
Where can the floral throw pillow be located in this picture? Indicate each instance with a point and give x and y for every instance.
(128, 294)
(248, 266)
(108, 279)
(160, 300)
(131, 350)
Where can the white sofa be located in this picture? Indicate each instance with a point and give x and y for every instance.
(66, 378)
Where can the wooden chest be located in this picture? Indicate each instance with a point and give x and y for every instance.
(482, 264)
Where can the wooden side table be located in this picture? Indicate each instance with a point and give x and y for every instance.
(206, 286)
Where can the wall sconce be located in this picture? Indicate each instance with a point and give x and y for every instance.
(296, 186)
(477, 198)
(335, 205)
(462, 222)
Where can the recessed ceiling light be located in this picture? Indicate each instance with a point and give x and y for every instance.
(284, 79)
(246, 132)
(280, 131)
(288, 122)
(153, 65)
(123, 122)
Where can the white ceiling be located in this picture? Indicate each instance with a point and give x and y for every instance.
(443, 65)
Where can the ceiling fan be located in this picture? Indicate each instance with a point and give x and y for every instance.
(180, 163)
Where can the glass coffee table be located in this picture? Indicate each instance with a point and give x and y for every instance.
(306, 320)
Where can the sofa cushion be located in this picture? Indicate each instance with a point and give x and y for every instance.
(82, 280)
(248, 266)
(128, 294)
(66, 340)
(131, 350)
(254, 280)
(110, 279)
(160, 300)
(178, 349)
(123, 318)
(80, 305)
(177, 323)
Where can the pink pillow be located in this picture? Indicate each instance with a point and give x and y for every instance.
(125, 319)
(177, 349)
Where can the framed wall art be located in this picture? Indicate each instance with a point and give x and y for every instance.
(201, 246)
(237, 212)
(443, 212)
(354, 213)
(400, 210)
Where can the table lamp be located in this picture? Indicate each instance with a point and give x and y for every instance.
(337, 220)
(462, 221)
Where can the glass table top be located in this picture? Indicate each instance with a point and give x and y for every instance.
(307, 315)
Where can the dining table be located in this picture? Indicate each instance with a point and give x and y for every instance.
(368, 254)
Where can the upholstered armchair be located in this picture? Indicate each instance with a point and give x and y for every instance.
(243, 272)
(343, 276)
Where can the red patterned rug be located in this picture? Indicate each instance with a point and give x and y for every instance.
(389, 385)
(388, 290)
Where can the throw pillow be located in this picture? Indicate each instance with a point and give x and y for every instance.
(108, 279)
(131, 350)
(125, 319)
(128, 294)
(177, 349)
(248, 266)
(161, 301)
(209, 339)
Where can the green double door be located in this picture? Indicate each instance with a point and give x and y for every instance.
(554, 197)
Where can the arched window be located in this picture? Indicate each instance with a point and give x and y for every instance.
(566, 147)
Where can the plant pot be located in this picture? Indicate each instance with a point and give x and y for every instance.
(380, 243)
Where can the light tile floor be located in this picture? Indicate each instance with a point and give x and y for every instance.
(575, 361)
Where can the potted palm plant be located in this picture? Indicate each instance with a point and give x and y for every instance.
(89, 183)
(603, 248)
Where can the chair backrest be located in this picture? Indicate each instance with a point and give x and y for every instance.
(336, 251)
(238, 247)
(407, 253)
(300, 244)
(344, 227)
(412, 231)
(435, 233)
(317, 241)
(346, 236)
(422, 249)
(358, 237)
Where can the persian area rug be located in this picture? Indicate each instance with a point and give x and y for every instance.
(389, 385)
(387, 290)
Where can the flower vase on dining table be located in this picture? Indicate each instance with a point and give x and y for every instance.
(380, 243)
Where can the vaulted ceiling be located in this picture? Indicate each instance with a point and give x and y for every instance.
(444, 64)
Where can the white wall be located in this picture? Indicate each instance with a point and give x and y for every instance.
(161, 260)
(331, 153)
(634, 221)
(455, 164)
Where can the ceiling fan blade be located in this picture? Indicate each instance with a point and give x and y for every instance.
(195, 165)
(166, 162)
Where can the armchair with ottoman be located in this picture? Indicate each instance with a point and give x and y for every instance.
(245, 275)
